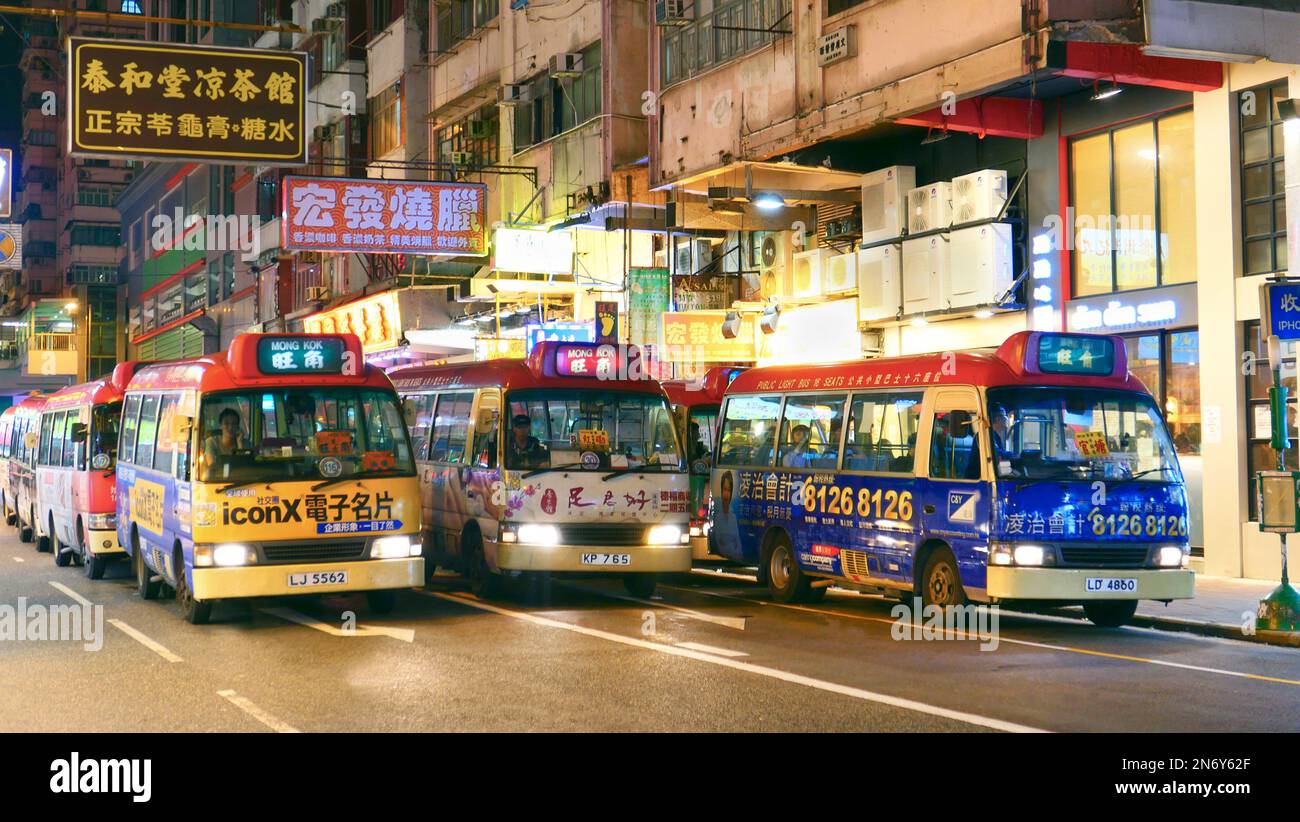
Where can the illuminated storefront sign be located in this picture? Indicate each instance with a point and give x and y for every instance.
(532, 252)
(559, 331)
(11, 246)
(826, 332)
(1042, 284)
(696, 336)
(498, 348)
(1169, 307)
(376, 321)
(340, 214)
(6, 182)
(172, 101)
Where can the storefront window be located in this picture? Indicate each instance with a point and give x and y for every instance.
(1263, 188)
(1168, 364)
(1134, 198)
(1259, 455)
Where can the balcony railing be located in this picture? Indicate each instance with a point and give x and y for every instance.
(729, 31)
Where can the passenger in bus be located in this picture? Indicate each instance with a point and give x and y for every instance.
(699, 451)
(523, 450)
(797, 456)
(225, 442)
(302, 421)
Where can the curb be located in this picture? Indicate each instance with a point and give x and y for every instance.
(1220, 630)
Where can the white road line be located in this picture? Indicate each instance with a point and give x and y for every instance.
(748, 667)
(403, 634)
(144, 640)
(246, 705)
(18, 559)
(728, 622)
(710, 649)
(76, 596)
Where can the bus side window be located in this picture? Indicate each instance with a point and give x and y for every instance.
(483, 453)
(954, 446)
(810, 431)
(126, 444)
(145, 435)
(420, 411)
(749, 430)
(47, 425)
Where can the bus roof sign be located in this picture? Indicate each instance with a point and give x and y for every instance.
(551, 358)
(1082, 354)
(299, 355)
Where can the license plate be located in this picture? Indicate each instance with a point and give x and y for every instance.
(606, 559)
(314, 578)
(1125, 585)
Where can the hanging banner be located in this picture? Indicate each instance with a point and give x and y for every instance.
(341, 214)
(11, 246)
(173, 101)
(647, 299)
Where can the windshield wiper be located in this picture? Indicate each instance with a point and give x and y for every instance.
(360, 475)
(537, 471)
(1161, 469)
(618, 472)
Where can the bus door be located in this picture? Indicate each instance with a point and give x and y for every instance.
(480, 478)
(417, 409)
(448, 444)
(955, 492)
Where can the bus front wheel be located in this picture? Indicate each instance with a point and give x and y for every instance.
(24, 531)
(42, 542)
(641, 586)
(93, 564)
(784, 579)
(381, 602)
(193, 611)
(941, 581)
(482, 582)
(1110, 613)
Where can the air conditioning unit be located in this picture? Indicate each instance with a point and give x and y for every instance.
(925, 274)
(693, 256)
(981, 265)
(978, 196)
(337, 11)
(674, 12)
(771, 251)
(566, 65)
(807, 272)
(884, 202)
(510, 94)
(317, 293)
(929, 207)
(880, 278)
(462, 158)
(840, 274)
(478, 129)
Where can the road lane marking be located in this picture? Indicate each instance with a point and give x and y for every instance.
(747, 667)
(710, 649)
(246, 705)
(144, 640)
(17, 559)
(403, 634)
(737, 623)
(1004, 639)
(82, 601)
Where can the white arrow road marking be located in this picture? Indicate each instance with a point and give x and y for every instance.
(403, 634)
(246, 705)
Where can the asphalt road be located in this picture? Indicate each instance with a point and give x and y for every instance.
(708, 653)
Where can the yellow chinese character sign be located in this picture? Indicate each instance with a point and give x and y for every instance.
(173, 101)
(696, 336)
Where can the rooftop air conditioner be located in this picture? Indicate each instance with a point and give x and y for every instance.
(809, 267)
(880, 276)
(772, 259)
(841, 274)
(981, 265)
(568, 64)
(884, 202)
(674, 12)
(925, 274)
(929, 207)
(978, 196)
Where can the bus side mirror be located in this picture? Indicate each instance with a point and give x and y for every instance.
(31, 439)
(78, 432)
(181, 426)
(487, 418)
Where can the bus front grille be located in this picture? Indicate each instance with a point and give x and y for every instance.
(854, 564)
(1099, 557)
(324, 551)
(602, 534)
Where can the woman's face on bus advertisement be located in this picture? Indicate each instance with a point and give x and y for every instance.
(724, 490)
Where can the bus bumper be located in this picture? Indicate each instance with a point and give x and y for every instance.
(104, 543)
(663, 559)
(1071, 583)
(273, 580)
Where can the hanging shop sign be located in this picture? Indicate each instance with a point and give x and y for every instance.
(606, 321)
(702, 293)
(1152, 308)
(558, 331)
(528, 251)
(647, 299)
(499, 348)
(696, 336)
(341, 214)
(171, 102)
(376, 321)
(11, 246)
(1279, 309)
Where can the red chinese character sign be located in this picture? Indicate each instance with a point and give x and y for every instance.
(383, 216)
(172, 101)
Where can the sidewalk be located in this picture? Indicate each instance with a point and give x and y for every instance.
(1223, 606)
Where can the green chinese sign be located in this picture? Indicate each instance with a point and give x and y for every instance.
(300, 355)
(172, 102)
(648, 298)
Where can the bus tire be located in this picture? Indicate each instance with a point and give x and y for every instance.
(428, 550)
(941, 581)
(482, 582)
(1111, 613)
(641, 586)
(147, 588)
(381, 602)
(11, 516)
(62, 553)
(194, 611)
(24, 531)
(42, 541)
(784, 579)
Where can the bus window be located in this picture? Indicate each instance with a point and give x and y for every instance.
(882, 432)
(810, 431)
(102, 436)
(165, 451)
(384, 429)
(954, 446)
(701, 426)
(130, 414)
(622, 429)
(47, 425)
(484, 451)
(145, 436)
(749, 430)
(70, 448)
(450, 427)
(419, 411)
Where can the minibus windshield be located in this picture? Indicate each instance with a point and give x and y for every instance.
(1079, 433)
(301, 434)
(587, 429)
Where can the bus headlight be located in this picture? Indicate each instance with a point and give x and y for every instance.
(1171, 556)
(391, 548)
(101, 522)
(667, 535)
(1026, 554)
(1030, 555)
(1000, 554)
(226, 554)
(536, 534)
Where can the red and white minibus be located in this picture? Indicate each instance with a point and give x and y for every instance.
(23, 441)
(7, 418)
(76, 485)
(555, 464)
